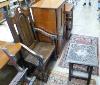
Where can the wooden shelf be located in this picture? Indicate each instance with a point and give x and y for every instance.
(49, 16)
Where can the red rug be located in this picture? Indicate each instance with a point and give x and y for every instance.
(87, 40)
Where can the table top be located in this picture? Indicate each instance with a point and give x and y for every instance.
(48, 4)
(82, 54)
(12, 48)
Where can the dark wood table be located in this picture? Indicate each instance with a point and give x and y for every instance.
(82, 54)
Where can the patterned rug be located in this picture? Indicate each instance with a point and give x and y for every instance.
(58, 78)
(87, 40)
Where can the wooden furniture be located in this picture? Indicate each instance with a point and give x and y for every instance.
(49, 16)
(12, 48)
(81, 54)
(8, 51)
(21, 76)
(29, 37)
(68, 19)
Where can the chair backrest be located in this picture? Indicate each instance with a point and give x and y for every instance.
(23, 26)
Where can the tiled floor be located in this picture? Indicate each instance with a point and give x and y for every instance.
(85, 23)
(85, 19)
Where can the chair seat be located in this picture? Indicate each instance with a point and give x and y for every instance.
(33, 45)
(42, 48)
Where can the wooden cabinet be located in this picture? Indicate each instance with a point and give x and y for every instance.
(49, 15)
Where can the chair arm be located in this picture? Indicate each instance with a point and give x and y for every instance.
(31, 51)
(50, 35)
(39, 57)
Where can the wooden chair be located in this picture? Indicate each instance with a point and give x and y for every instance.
(29, 37)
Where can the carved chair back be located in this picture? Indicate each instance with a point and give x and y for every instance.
(24, 29)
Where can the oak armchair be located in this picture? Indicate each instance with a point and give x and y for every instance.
(28, 35)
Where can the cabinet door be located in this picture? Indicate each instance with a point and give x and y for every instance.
(45, 18)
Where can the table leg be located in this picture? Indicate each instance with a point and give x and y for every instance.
(70, 70)
(88, 67)
(89, 74)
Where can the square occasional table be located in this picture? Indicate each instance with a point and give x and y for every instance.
(82, 54)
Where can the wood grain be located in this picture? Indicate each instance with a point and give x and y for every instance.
(12, 48)
(49, 16)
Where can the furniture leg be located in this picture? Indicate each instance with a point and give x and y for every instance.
(89, 74)
(88, 67)
(70, 70)
(72, 20)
